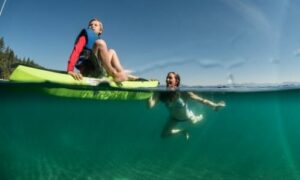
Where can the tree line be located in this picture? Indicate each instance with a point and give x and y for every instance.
(9, 60)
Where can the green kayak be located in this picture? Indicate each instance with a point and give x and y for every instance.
(63, 85)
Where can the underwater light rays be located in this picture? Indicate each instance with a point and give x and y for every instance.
(285, 144)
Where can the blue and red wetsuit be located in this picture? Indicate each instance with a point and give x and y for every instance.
(84, 41)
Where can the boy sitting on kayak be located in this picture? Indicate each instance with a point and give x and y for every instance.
(91, 56)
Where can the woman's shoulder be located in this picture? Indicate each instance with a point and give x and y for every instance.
(185, 94)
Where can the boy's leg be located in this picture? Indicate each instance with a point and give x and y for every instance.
(90, 68)
(115, 62)
(97, 68)
(110, 60)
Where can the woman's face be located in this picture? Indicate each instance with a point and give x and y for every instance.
(96, 27)
(171, 80)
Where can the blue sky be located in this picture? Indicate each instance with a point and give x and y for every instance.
(207, 41)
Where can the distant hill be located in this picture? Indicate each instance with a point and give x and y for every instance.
(9, 60)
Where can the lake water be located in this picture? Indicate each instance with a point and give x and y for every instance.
(256, 136)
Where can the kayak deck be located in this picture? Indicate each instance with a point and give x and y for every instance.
(34, 75)
(64, 85)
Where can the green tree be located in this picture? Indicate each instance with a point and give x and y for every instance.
(2, 45)
(9, 60)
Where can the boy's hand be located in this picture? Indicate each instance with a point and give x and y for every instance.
(76, 76)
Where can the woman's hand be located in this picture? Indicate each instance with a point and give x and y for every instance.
(152, 100)
(76, 76)
(219, 105)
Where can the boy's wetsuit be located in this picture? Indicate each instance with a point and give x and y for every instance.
(83, 57)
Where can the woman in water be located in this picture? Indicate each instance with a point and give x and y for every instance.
(176, 102)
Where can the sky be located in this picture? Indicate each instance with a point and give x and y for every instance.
(208, 42)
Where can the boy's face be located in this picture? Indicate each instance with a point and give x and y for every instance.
(96, 27)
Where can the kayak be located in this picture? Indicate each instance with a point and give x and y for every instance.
(63, 85)
(34, 75)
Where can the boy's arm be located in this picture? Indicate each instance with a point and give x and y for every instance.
(75, 56)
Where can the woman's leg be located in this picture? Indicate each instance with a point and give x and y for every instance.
(170, 130)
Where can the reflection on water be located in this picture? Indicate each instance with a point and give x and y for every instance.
(256, 136)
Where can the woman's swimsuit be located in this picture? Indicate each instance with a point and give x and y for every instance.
(180, 111)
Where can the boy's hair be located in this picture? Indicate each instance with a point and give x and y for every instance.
(177, 77)
(95, 19)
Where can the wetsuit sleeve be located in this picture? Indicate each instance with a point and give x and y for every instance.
(76, 52)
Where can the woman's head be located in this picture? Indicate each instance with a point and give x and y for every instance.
(172, 80)
(96, 25)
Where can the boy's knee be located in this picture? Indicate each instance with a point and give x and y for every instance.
(112, 51)
(100, 43)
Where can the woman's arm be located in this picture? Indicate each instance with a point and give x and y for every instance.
(214, 105)
(152, 100)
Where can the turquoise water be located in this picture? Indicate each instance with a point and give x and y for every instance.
(256, 136)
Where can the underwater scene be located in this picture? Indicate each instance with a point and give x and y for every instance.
(150, 90)
(43, 136)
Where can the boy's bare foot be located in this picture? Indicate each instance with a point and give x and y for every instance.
(119, 77)
(132, 77)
